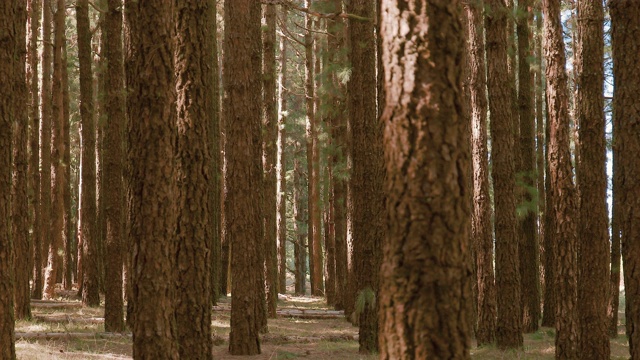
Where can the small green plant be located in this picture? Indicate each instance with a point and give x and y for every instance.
(365, 297)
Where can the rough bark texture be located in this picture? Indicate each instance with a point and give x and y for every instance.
(215, 193)
(87, 206)
(19, 199)
(423, 288)
(564, 192)
(45, 148)
(366, 183)
(614, 286)
(300, 246)
(269, 153)
(153, 192)
(12, 43)
(625, 20)
(540, 148)
(509, 329)
(337, 120)
(550, 246)
(529, 251)
(243, 200)
(34, 121)
(315, 255)
(481, 229)
(66, 276)
(114, 167)
(58, 174)
(195, 106)
(281, 170)
(593, 251)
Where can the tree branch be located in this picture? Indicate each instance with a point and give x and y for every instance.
(291, 5)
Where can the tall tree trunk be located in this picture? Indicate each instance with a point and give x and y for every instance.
(367, 177)
(58, 181)
(114, 194)
(337, 120)
(243, 200)
(593, 250)
(269, 154)
(19, 199)
(550, 246)
(300, 247)
(481, 230)
(195, 99)
(33, 170)
(315, 256)
(614, 287)
(427, 199)
(625, 20)
(564, 192)
(45, 148)
(87, 207)
(281, 169)
(529, 251)
(540, 143)
(153, 191)
(12, 26)
(509, 328)
(66, 161)
(214, 131)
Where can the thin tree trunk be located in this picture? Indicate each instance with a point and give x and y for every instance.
(58, 174)
(214, 130)
(114, 195)
(564, 192)
(300, 248)
(614, 287)
(269, 154)
(69, 239)
(45, 149)
(593, 229)
(509, 328)
(87, 207)
(19, 189)
(35, 258)
(281, 169)
(337, 116)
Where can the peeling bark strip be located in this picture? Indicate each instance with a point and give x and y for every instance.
(423, 290)
(564, 192)
(625, 20)
(152, 191)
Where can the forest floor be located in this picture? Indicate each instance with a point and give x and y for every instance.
(305, 329)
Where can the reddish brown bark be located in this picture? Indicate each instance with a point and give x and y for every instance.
(593, 229)
(19, 199)
(423, 292)
(625, 20)
(58, 174)
(113, 163)
(152, 182)
(509, 328)
(564, 192)
(269, 153)
(87, 206)
(243, 147)
(482, 229)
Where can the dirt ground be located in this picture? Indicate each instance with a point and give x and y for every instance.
(304, 329)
